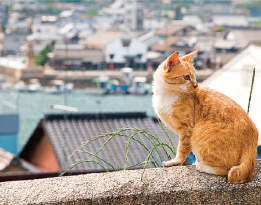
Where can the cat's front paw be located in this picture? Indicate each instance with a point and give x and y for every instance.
(173, 162)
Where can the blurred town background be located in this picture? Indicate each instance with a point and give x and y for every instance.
(73, 69)
(105, 35)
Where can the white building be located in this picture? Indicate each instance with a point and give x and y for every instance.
(19, 5)
(135, 53)
(234, 79)
(134, 14)
(115, 11)
(44, 31)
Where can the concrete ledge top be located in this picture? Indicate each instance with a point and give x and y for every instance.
(177, 185)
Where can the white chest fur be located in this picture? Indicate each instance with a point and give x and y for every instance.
(163, 99)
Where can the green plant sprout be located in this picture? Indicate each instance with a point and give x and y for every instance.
(155, 142)
(250, 95)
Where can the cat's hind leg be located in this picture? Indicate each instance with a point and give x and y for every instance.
(203, 167)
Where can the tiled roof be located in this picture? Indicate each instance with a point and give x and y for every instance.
(172, 29)
(7, 160)
(67, 133)
(171, 45)
(100, 39)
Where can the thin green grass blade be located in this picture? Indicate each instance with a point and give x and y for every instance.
(138, 164)
(137, 160)
(107, 162)
(82, 161)
(147, 160)
(146, 134)
(137, 140)
(157, 140)
(250, 95)
(118, 168)
(173, 148)
(127, 149)
(105, 143)
(86, 143)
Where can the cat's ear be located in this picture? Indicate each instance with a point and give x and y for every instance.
(189, 57)
(170, 61)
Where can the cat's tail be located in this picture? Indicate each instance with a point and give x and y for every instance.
(245, 170)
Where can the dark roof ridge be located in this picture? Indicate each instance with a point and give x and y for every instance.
(105, 115)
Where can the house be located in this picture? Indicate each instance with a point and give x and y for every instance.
(209, 7)
(183, 45)
(44, 32)
(134, 14)
(100, 39)
(234, 79)
(150, 39)
(126, 51)
(12, 43)
(229, 20)
(252, 34)
(233, 41)
(10, 163)
(175, 28)
(115, 11)
(19, 5)
(205, 45)
(229, 45)
(12, 168)
(99, 42)
(3, 15)
(18, 27)
(76, 32)
(57, 136)
(75, 57)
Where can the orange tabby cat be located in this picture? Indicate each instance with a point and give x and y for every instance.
(218, 131)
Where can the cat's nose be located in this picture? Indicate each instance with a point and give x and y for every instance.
(195, 85)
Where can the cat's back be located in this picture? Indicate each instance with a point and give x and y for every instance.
(210, 97)
(213, 105)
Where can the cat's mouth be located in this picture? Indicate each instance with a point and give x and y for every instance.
(187, 87)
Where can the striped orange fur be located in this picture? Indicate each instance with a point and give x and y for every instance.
(218, 131)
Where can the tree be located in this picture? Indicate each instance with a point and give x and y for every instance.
(41, 59)
(92, 12)
(3, 27)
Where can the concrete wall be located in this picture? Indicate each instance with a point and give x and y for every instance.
(176, 185)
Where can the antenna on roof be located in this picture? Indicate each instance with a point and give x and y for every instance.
(63, 107)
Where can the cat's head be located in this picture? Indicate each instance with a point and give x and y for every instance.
(179, 73)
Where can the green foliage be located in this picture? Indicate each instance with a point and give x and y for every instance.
(130, 134)
(250, 5)
(52, 9)
(250, 95)
(41, 59)
(179, 6)
(65, 1)
(219, 29)
(3, 27)
(220, 2)
(166, 16)
(92, 12)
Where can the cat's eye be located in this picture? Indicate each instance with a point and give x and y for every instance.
(186, 77)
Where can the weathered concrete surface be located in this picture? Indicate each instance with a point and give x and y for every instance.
(176, 185)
